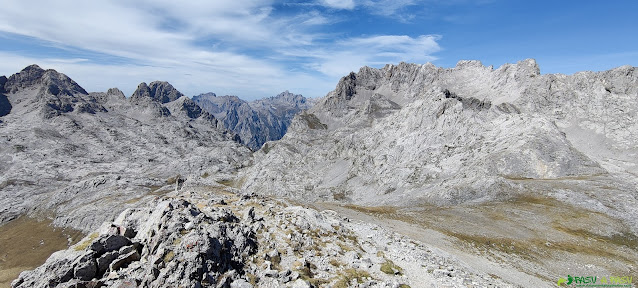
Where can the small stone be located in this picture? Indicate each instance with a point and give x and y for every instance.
(299, 283)
(124, 260)
(240, 283)
(109, 243)
(249, 214)
(270, 273)
(85, 267)
(105, 260)
(440, 273)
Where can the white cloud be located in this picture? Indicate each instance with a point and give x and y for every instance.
(387, 7)
(200, 46)
(339, 4)
(396, 9)
(351, 54)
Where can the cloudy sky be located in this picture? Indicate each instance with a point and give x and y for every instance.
(258, 48)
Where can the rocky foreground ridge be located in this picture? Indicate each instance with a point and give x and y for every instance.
(256, 122)
(207, 236)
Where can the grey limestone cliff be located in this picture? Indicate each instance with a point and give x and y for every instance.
(258, 121)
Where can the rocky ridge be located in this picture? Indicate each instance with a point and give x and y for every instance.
(87, 156)
(411, 134)
(258, 121)
(199, 238)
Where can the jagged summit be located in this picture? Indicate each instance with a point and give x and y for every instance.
(49, 80)
(49, 92)
(159, 91)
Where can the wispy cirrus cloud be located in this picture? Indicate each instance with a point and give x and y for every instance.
(397, 9)
(388, 8)
(339, 4)
(238, 47)
(349, 55)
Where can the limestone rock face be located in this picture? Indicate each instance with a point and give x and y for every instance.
(411, 134)
(258, 121)
(88, 156)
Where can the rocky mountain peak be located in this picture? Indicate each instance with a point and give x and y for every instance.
(205, 95)
(469, 63)
(189, 108)
(49, 81)
(287, 95)
(160, 91)
(346, 87)
(524, 68)
(283, 100)
(76, 134)
(116, 92)
(408, 114)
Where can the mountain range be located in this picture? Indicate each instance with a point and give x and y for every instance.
(87, 156)
(520, 177)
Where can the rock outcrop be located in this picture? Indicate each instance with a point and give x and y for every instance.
(199, 239)
(258, 121)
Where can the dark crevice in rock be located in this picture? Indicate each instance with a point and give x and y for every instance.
(469, 102)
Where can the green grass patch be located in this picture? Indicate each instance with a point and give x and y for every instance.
(169, 256)
(86, 242)
(390, 268)
(349, 275)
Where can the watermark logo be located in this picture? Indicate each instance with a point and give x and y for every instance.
(596, 281)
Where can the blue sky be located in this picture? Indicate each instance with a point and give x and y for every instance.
(258, 48)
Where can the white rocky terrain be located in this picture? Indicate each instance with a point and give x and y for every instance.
(256, 122)
(519, 165)
(85, 157)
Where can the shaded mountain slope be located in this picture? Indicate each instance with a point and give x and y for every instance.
(258, 121)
